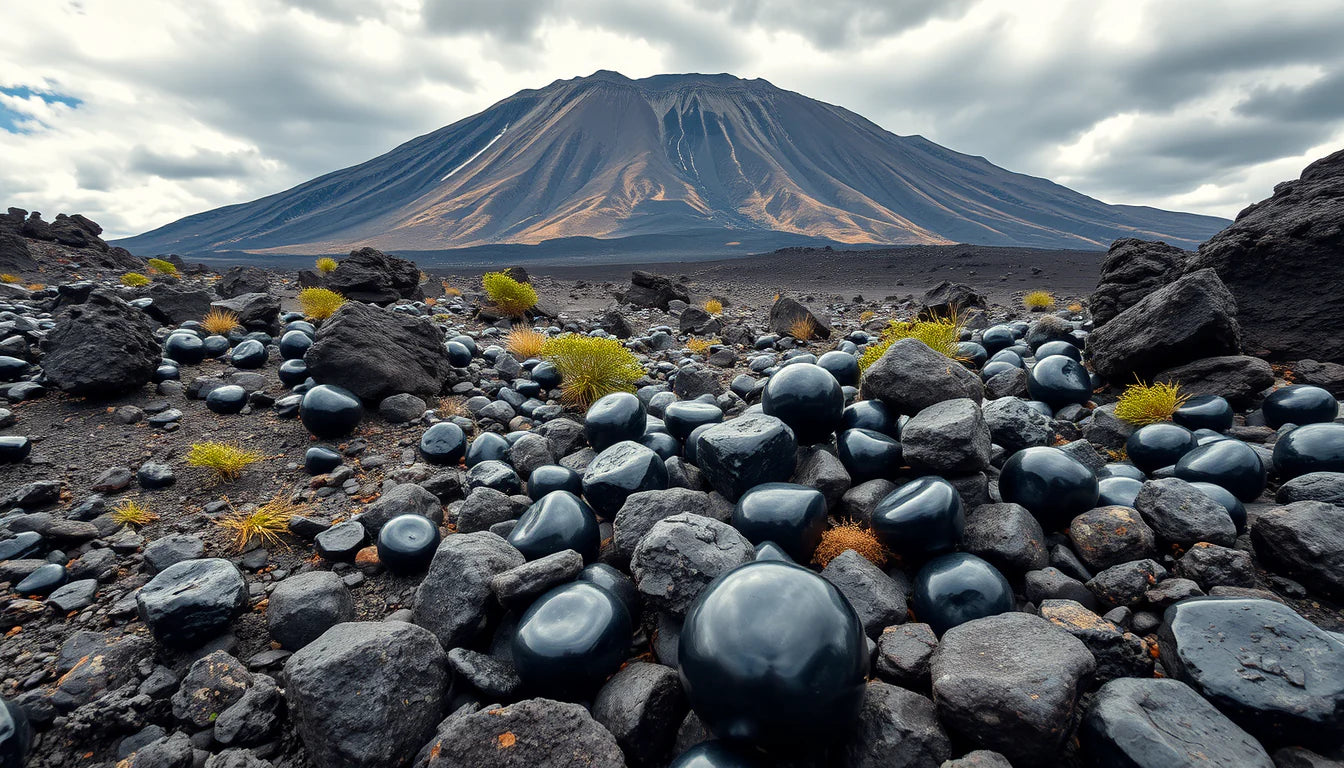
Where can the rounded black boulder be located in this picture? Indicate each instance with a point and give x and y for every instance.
(1057, 347)
(14, 448)
(227, 399)
(1310, 448)
(683, 416)
(742, 453)
(292, 372)
(570, 640)
(458, 354)
(791, 516)
(294, 345)
(546, 375)
(1232, 464)
(1051, 484)
(488, 446)
(557, 521)
(1299, 404)
(329, 411)
(193, 601)
(870, 414)
(621, 470)
(663, 444)
(184, 348)
(868, 454)
(997, 337)
(807, 398)
(443, 443)
(1159, 445)
(614, 418)
(553, 477)
(406, 543)
(615, 582)
(319, 461)
(959, 587)
(754, 677)
(1059, 380)
(249, 355)
(1204, 412)
(1118, 491)
(921, 519)
(842, 365)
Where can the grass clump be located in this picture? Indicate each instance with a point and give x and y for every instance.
(326, 265)
(133, 279)
(320, 303)
(1142, 404)
(700, 346)
(1038, 301)
(523, 343)
(866, 316)
(849, 535)
(263, 524)
(219, 321)
(508, 295)
(1075, 307)
(10, 277)
(132, 512)
(591, 367)
(163, 267)
(803, 328)
(939, 334)
(226, 460)
(714, 307)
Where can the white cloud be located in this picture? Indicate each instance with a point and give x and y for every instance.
(1202, 105)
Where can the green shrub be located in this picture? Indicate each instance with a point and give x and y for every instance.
(320, 303)
(508, 295)
(591, 367)
(940, 334)
(1142, 404)
(134, 279)
(163, 267)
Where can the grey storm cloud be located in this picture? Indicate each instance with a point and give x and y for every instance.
(201, 164)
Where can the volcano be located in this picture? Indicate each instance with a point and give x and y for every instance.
(707, 161)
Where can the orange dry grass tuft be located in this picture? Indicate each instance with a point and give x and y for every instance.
(803, 329)
(849, 535)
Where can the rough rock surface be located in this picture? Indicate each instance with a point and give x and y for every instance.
(100, 348)
(376, 353)
(1132, 269)
(786, 311)
(1304, 540)
(650, 290)
(370, 275)
(454, 599)
(534, 733)
(910, 377)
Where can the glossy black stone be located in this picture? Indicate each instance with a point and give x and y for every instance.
(1121, 469)
(547, 375)
(790, 515)
(294, 345)
(553, 477)
(570, 640)
(1159, 445)
(293, 372)
(624, 468)
(215, 346)
(1203, 436)
(443, 443)
(319, 461)
(613, 418)
(300, 325)
(1235, 509)
(682, 417)
(923, 518)
(14, 448)
(227, 399)
(1058, 381)
(185, 348)
(1204, 412)
(329, 411)
(21, 545)
(661, 443)
(715, 754)
(868, 454)
(769, 550)
(487, 446)
(458, 355)
(690, 448)
(42, 581)
(772, 655)
(997, 337)
(466, 341)
(1118, 491)
(12, 368)
(166, 373)
(1231, 464)
(807, 398)
(974, 354)
(869, 414)
(16, 735)
(1009, 356)
(615, 582)
(990, 370)
(249, 355)
(1299, 404)
(557, 521)
(842, 365)
(1310, 448)
(1051, 484)
(956, 588)
(1064, 348)
(406, 543)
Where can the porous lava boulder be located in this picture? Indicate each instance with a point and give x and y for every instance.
(256, 310)
(376, 353)
(100, 348)
(1278, 257)
(654, 291)
(534, 733)
(372, 276)
(1192, 318)
(14, 253)
(785, 312)
(947, 299)
(239, 280)
(1133, 269)
(1238, 378)
(175, 305)
(910, 377)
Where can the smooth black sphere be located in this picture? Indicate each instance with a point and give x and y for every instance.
(1058, 381)
(553, 477)
(215, 345)
(1204, 412)
(997, 337)
(615, 582)
(557, 521)
(1232, 464)
(959, 587)
(488, 446)
(329, 411)
(166, 373)
(458, 354)
(406, 543)
(683, 416)
(868, 455)
(923, 518)
(1118, 491)
(1310, 448)
(1054, 486)
(14, 448)
(1064, 348)
(319, 461)
(12, 368)
(1235, 509)
(1009, 356)
(990, 370)
(790, 515)
(869, 414)
(1159, 445)
(772, 655)
(547, 375)
(301, 325)
(293, 372)
(294, 345)
(570, 640)
(249, 355)
(227, 399)
(1299, 404)
(443, 443)
(614, 418)
(661, 443)
(807, 398)
(715, 754)
(842, 365)
(974, 354)
(185, 348)
(1121, 469)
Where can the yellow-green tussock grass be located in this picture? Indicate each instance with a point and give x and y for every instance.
(523, 343)
(219, 321)
(1141, 404)
(132, 279)
(326, 265)
(132, 512)
(714, 306)
(1038, 301)
(803, 328)
(700, 346)
(940, 335)
(262, 525)
(591, 367)
(508, 295)
(163, 267)
(226, 460)
(320, 303)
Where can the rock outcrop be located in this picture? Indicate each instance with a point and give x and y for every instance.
(100, 348)
(368, 274)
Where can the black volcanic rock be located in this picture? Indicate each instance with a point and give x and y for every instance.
(650, 290)
(376, 353)
(237, 281)
(175, 305)
(1133, 269)
(368, 274)
(785, 312)
(100, 348)
(948, 299)
(14, 253)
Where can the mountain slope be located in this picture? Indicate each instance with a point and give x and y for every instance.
(609, 157)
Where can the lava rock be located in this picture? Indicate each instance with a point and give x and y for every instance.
(875, 597)
(369, 275)
(903, 654)
(1132, 269)
(101, 348)
(650, 290)
(785, 312)
(1015, 425)
(1183, 515)
(681, 555)
(642, 705)
(894, 721)
(376, 353)
(618, 472)
(304, 605)
(910, 377)
(1111, 535)
(1313, 486)
(193, 601)
(1007, 537)
(404, 499)
(950, 437)
(1304, 540)
(1118, 653)
(453, 599)
(745, 452)
(537, 732)
(341, 542)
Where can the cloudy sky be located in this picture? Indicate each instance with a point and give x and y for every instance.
(138, 112)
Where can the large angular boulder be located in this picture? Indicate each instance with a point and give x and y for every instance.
(948, 299)
(1132, 269)
(256, 311)
(1192, 318)
(377, 353)
(370, 275)
(654, 291)
(239, 280)
(100, 348)
(534, 733)
(1304, 540)
(14, 253)
(785, 312)
(192, 601)
(1278, 257)
(174, 306)
(1239, 378)
(367, 694)
(454, 599)
(910, 377)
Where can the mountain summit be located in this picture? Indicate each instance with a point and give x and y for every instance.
(608, 157)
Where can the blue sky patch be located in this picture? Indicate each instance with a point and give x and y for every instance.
(10, 119)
